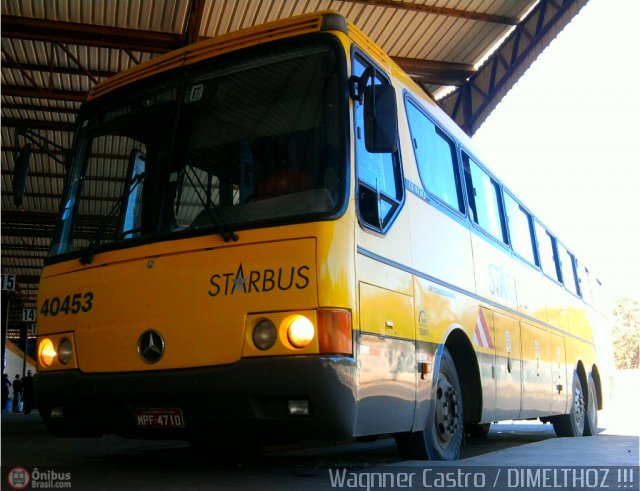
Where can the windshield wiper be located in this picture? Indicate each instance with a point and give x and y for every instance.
(209, 207)
(87, 257)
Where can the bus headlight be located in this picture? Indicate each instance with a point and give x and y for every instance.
(264, 334)
(46, 353)
(65, 351)
(301, 331)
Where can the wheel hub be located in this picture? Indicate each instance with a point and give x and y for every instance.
(578, 402)
(447, 414)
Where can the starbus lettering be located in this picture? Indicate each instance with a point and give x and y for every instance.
(501, 284)
(259, 280)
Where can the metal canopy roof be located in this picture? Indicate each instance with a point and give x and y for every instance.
(53, 52)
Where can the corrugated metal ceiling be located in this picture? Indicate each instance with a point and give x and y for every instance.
(43, 80)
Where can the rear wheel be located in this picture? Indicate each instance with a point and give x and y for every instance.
(572, 424)
(443, 435)
(591, 420)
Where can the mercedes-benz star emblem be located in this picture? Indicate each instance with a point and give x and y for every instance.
(151, 346)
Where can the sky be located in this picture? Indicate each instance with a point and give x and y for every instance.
(565, 141)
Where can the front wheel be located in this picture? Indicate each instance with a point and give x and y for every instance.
(442, 437)
(572, 424)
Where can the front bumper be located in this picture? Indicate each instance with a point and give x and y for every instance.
(247, 398)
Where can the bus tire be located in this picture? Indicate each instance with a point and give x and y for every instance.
(591, 413)
(572, 424)
(443, 435)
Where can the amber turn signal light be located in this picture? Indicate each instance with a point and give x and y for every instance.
(335, 332)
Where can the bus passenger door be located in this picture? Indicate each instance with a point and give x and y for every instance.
(508, 367)
(536, 375)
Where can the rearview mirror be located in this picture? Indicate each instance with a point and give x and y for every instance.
(20, 172)
(380, 119)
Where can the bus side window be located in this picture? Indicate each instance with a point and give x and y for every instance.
(567, 265)
(436, 158)
(520, 229)
(597, 295)
(380, 191)
(485, 199)
(548, 252)
(584, 285)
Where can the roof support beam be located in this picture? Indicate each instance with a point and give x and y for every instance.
(472, 103)
(432, 9)
(36, 124)
(90, 35)
(194, 21)
(31, 67)
(46, 217)
(56, 151)
(24, 73)
(59, 175)
(436, 72)
(56, 197)
(77, 62)
(36, 107)
(53, 94)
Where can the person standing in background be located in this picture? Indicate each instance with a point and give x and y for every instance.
(6, 383)
(17, 393)
(27, 393)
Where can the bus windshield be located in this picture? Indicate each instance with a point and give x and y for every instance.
(252, 139)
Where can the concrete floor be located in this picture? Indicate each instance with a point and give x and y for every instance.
(114, 463)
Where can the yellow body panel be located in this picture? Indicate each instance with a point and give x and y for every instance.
(558, 365)
(196, 300)
(386, 312)
(508, 367)
(536, 387)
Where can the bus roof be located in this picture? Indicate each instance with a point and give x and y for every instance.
(280, 29)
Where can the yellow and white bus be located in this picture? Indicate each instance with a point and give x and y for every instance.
(303, 246)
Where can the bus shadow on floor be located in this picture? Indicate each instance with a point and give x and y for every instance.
(357, 455)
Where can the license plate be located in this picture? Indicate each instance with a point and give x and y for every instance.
(168, 418)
